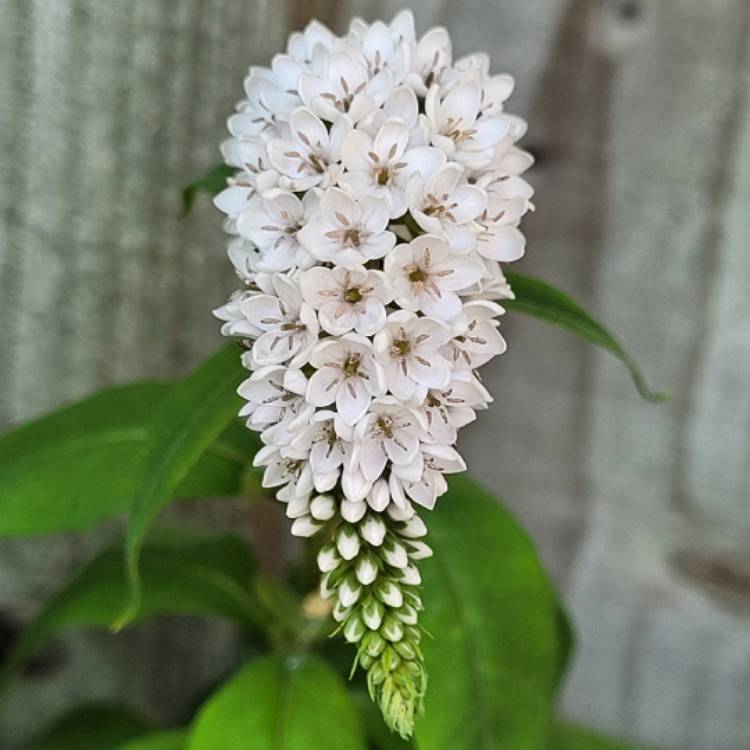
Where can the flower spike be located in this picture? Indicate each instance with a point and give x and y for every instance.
(378, 188)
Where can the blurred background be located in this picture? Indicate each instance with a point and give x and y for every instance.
(638, 113)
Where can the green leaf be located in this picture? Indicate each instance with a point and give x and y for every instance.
(182, 573)
(172, 739)
(541, 300)
(277, 703)
(494, 661)
(189, 421)
(211, 183)
(566, 737)
(80, 464)
(98, 727)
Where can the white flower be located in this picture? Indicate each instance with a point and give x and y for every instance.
(347, 298)
(476, 339)
(273, 227)
(426, 276)
(382, 164)
(386, 47)
(235, 321)
(349, 231)
(288, 325)
(401, 104)
(311, 155)
(267, 106)
(457, 127)
(274, 393)
(408, 349)
(302, 44)
(493, 285)
(442, 206)
(282, 469)
(389, 431)
(323, 442)
(344, 86)
(449, 409)
(438, 460)
(245, 257)
(433, 55)
(346, 374)
(499, 237)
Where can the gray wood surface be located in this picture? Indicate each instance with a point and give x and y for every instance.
(638, 114)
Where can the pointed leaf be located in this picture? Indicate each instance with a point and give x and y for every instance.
(211, 183)
(190, 419)
(297, 703)
(99, 727)
(80, 464)
(541, 300)
(182, 573)
(494, 660)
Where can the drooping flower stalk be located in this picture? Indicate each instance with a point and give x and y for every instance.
(378, 189)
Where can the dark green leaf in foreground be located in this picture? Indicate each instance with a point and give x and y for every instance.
(541, 300)
(494, 660)
(181, 573)
(93, 728)
(189, 421)
(210, 184)
(278, 703)
(173, 739)
(566, 737)
(80, 464)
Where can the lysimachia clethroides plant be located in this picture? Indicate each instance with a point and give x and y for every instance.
(378, 189)
(373, 190)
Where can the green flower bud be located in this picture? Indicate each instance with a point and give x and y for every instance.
(372, 612)
(389, 593)
(392, 629)
(354, 629)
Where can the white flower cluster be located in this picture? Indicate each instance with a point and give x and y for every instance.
(378, 189)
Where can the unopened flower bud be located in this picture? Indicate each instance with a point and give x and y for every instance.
(392, 629)
(372, 613)
(347, 542)
(389, 593)
(407, 614)
(405, 650)
(397, 513)
(419, 550)
(328, 558)
(410, 576)
(372, 530)
(366, 569)
(352, 512)
(390, 659)
(305, 526)
(374, 643)
(349, 591)
(297, 507)
(340, 612)
(354, 629)
(323, 508)
(379, 496)
(414, 528)
(394, 553)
